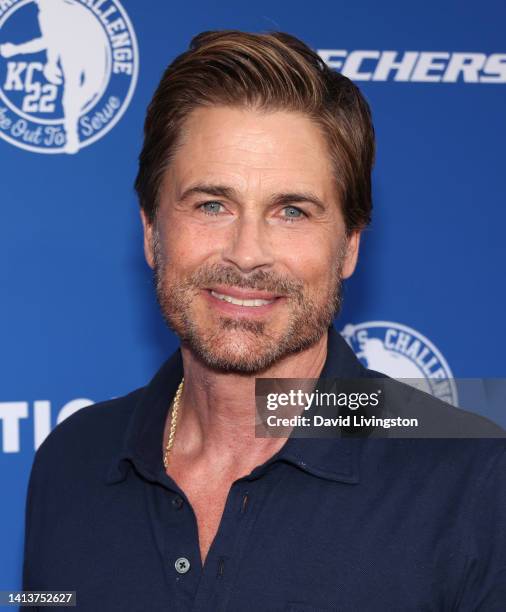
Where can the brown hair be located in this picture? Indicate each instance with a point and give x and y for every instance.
(273, 71)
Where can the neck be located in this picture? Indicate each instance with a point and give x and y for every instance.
(217, 410)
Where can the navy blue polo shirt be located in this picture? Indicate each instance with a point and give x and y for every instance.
(324, 525)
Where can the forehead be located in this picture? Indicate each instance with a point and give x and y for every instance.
(251, 149)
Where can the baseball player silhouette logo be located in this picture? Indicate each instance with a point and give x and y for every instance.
(69, 84)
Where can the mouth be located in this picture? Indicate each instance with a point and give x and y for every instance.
(234, 300)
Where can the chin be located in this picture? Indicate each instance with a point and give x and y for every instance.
(235, 351)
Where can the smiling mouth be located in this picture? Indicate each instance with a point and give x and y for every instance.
(253, 303)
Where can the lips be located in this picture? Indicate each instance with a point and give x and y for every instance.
(254, 302)
(242, 302)
(239, 293)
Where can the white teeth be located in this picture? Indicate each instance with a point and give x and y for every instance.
(228, 298)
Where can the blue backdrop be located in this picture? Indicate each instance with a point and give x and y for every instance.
(79, 320)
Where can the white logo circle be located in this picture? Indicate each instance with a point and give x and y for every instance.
(68, 70)
(402, 352)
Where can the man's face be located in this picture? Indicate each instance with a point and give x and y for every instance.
(249, 246)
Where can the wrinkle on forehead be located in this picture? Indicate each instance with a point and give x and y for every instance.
(252, 148)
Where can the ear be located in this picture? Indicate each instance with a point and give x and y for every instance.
(351, 255)
(148, 240)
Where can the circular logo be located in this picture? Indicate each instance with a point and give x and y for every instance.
(68, 70)
(401, 352)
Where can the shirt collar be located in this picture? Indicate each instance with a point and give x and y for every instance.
(330, 458)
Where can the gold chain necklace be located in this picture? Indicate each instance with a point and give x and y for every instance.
(173, 423)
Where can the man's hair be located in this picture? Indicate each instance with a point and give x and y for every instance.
(272, 71)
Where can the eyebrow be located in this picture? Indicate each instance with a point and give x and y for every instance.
(223, 191)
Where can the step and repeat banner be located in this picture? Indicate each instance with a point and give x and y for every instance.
(78, 315)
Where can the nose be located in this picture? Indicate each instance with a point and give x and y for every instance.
(249, 245)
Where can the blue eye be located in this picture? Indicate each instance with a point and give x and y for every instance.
(210, 208)
(293, 213)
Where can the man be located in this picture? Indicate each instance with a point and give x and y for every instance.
(254, 185)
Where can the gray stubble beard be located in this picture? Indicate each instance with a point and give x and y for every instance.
(308, 320)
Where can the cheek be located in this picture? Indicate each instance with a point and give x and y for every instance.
(188, 245)
(311, 260)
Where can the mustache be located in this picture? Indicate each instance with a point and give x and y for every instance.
(261, 280)
(218, 274)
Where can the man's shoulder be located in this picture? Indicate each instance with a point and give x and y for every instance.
(452, 444)
(436, 417)
(88, 437)
(96, 418)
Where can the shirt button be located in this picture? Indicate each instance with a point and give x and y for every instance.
(182, 565)
(178, 502)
